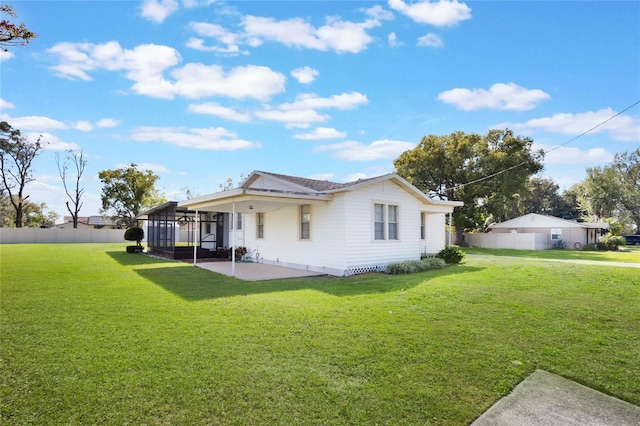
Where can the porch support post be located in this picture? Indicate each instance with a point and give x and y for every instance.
(196, 232)
(233, 238)
(450, 225)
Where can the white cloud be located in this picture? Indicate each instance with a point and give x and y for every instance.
(218, 110)
(302, 112)
(500, 96)
(83, 126)
(356, 151)
(567, 155)
(5, 55)
(431, 40)
(339, 36)
(377, 12)
(198, 44)
(621, 128)
(51, 142)
(257, 82)
(321, 176)
(305, 75)
(212, 138)
(393, 41)
(441, 13)
(158, 10)
(5, 104)
(108, 122)
(146, 64)
(321, 133)
(33, 123)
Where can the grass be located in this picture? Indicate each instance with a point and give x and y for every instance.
(626, 254)
(92, 335)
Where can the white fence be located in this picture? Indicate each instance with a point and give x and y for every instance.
(524, 241)
(43, 235)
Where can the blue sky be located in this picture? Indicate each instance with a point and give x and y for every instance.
(202, 91)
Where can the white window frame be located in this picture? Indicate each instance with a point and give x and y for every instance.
(238, 221)
(556, 234)
(260, 225)
(386, 222)
(423, 226)
(304, 220)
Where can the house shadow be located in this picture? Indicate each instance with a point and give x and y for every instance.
(195, 284)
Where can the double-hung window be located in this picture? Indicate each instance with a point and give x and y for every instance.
(305, 222)
(556, 234)
(238, 222)
(386, 222)
(259, 225)
(423, 223)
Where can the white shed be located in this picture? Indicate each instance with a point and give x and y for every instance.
(334, 228)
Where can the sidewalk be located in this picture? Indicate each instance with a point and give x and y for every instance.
(545, 399)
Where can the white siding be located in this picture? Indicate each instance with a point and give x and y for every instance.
(266, 183)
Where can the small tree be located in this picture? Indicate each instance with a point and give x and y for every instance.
(16, 156)
(134, 234)
(79, 161)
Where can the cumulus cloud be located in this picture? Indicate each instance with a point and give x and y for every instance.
(377, 12)
(107, 122)
(145, 66)
(5, 55)
(566, 155)
(500, 96)
(355, 151)
(158, 10)
(33, 123)
(212, 108)
(305, 75)
(5, 104)
(440, 14)
(430, 40)
(336, 35)
(302, 112)
(211, 138)
(393, 41)
(50, 142)
(321, 133)
(621, 128)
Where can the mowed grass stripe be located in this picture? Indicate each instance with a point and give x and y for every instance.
(91, 335)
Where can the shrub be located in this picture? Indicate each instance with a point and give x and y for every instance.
(451, 255)
(134, 234)
(611, 242)
(413, 266)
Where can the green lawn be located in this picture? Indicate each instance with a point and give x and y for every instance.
(626, 254)
(92, 335)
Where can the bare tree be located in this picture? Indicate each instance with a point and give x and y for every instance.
(79, 162)
(16, 156)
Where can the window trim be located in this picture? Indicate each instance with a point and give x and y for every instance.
(302, 222)
(260, 225)
(386, 230)
(423, 226)
(556, 234)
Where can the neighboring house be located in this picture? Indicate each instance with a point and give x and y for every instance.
(335, 228)
(89, 222)
(558, 232)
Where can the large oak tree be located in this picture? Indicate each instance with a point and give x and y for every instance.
(485, 172)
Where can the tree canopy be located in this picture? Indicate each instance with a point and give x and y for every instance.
(482, 171)
(127, 192)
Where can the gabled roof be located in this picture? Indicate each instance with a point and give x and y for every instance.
(312, 185)
(535, 220)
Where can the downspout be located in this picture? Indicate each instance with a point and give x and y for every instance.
(196, 237)
(233, 238)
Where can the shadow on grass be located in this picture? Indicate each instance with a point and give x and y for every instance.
(193, 284)
(130, 259)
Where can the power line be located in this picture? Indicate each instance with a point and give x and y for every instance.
(549, 150)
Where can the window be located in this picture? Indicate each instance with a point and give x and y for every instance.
(305, 222)
(386, 219)
(556, 234)
(423, 222)
(378, 211)
(393, 222)
(238, 221)
(259, 225)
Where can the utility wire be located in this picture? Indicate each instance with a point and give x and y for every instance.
(547, 151)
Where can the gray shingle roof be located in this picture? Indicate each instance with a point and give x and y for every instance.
(313, 184)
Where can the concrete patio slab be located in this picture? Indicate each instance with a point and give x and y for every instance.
(256, 271)
(550, 400)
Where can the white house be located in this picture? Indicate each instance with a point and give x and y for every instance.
(334, 228)
(554, 231)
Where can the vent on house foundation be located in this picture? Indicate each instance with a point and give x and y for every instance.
(364, 269)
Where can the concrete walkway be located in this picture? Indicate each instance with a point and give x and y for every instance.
(256, 271)
(546, 399)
